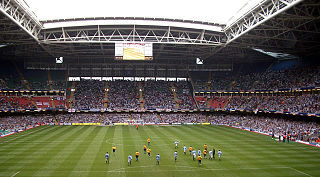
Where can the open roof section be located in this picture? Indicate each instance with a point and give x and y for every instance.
(213, 11)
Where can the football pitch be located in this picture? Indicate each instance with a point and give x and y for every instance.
(80, 150)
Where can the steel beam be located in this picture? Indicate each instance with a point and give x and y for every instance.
(134, 33)
(264, 11)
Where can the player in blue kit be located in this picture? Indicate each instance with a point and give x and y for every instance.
(129, 159)
(199, 152)
(219, 154)
(158, 159)
(176, 143)
(184, 149)
(175, 156)
(107, 157)
(194, 154)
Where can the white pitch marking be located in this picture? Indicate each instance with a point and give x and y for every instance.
(15, 174)
(300, 171)
(192, 169)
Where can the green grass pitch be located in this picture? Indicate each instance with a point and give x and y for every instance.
(79, 151)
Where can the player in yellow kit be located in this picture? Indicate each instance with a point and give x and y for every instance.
(148, 151)
(205, 154)
(205, 146)
(137, 155)
(114, 149)
(190, 149)
(199, 159)
(144, 148)
(149, 141)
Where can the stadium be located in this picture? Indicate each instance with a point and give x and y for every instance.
(170, 88)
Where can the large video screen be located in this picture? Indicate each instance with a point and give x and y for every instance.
(133, 51)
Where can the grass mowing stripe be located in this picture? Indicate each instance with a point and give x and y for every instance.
(60, 151)
(81, 148)
(127, 149)
(119, 155)
(99, 164)
(86, 160)
(140, 139)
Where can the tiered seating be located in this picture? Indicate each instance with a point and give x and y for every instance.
(89, 95)
(202, 101)
(123, 95)
(42, 102)
(217, 102)
(184, 95)
(158, 95)
(14, 102)
(308, 103)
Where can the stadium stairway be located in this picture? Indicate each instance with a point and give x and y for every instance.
(70, 119)
(71, 99)
(50, 80)
(209, 81)
(24, 81)
(235, 78)
(208, 102)
(159, 117)
(55, 120)
(101, 117)
(175, 98)
(53, 105)
(140, 95)
(209, 88)
(105, 105)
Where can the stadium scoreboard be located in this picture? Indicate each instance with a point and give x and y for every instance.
(133, 51)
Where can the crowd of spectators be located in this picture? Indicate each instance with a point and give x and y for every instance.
(293, 78)
(296, 129)
(184, 96)
(85, 118)
(63, 118)
(158, 95)
(15, 123)
(123, 94)
(89, 94)
(301, 77)
(111, 118)
(307, 103)
(183, 118)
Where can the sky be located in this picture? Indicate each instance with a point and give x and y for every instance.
(217, 11)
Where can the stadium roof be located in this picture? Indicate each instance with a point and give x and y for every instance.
(180, 31)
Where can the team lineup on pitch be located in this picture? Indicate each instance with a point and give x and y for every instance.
(147, 150)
